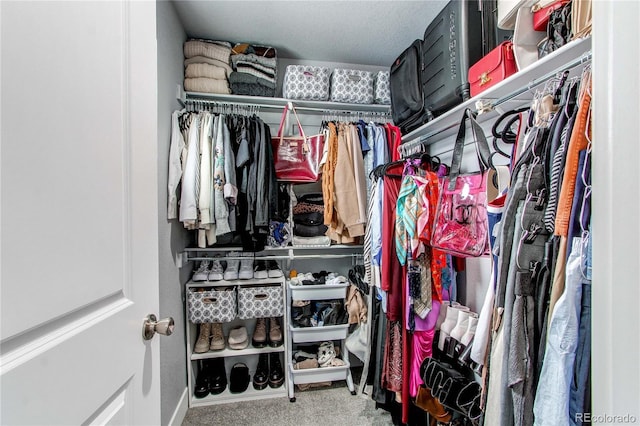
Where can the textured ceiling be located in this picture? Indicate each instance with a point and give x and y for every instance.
(356, 32)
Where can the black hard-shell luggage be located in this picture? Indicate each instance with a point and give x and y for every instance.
(405, 81)
(453, 42)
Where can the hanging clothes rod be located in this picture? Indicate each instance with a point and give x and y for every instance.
(261, 102)
(583, 59)
(280, 107)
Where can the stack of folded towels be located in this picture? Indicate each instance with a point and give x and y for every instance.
(207, 66)
(254, 70)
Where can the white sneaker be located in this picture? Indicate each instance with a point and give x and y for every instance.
(202, 273)
(231, 273)
(273, 270)
(260, 269)
(246, 269)
(215, 273)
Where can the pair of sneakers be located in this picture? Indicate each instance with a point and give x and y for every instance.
(208, 270)
(266, 269)
(239, 269)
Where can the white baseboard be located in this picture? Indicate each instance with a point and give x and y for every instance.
(181, 409)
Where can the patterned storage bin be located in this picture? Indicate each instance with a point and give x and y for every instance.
(352, 86)
(308, 83)
(381, 91)
(260, 302)
(213, 305)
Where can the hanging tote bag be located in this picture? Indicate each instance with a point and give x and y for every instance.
(461, 224)
(297, 158)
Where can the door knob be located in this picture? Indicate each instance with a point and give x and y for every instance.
(151, 326)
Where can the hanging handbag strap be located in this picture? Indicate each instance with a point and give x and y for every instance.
(284, 116)
(483, 152)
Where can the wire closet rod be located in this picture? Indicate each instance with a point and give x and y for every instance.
(280, 107)
(279, 257)
(537, 82)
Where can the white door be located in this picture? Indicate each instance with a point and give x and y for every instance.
(79, 213)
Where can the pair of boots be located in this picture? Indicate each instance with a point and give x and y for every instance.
(212, 378)
(211, 337)
(261, 339)
(269, 371)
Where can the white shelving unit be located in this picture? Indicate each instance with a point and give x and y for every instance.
(249, 355)
(513, 92)
(317, 335)
(313, 107)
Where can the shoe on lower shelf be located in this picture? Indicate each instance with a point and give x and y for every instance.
(273, 270)
(260, 270)
(217, 376)
(238, 338)
(231, 272)
(239, 378)
(259, 339)
(275, 333)
(261, 377)
(216, 272)
(217, 337)
(276, 375)
(246, 269)
(202, 272)
(202, 344)
(202, 387)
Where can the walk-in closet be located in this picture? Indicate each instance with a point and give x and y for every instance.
(287, 213)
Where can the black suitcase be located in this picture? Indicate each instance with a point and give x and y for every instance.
(405, 81)
(431, 76)
(452, 43)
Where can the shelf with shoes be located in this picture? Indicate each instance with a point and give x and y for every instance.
(328, 363)
(238, 336)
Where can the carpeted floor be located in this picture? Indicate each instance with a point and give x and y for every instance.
(324, 406)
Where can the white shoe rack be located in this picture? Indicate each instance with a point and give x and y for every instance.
(248, 355)
(299, 335)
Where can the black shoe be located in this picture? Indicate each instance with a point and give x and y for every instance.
(202, 381)
(276, 375)
(260, 270)
(239, 378)
(273, 270)
(217, 376)
(261, 378)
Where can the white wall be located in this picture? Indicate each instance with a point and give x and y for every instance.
(615, 209)
(172, 237)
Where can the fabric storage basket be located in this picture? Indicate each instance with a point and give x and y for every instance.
(381, 90)
(352, 86)
(305, 82)
(260, 302)
(212, 305)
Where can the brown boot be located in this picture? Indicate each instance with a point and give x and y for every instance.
(217, 337)
(202, 344)
(275, 332)
(259, 339)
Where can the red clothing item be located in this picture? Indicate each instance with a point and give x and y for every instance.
(394, 140)
(392, 273)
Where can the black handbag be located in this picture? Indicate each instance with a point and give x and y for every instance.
(558, 30)
(405, 85)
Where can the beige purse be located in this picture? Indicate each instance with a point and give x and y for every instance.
(581, 18)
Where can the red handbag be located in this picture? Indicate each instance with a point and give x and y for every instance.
(497, 65)
(297, 158)
(541, 14)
